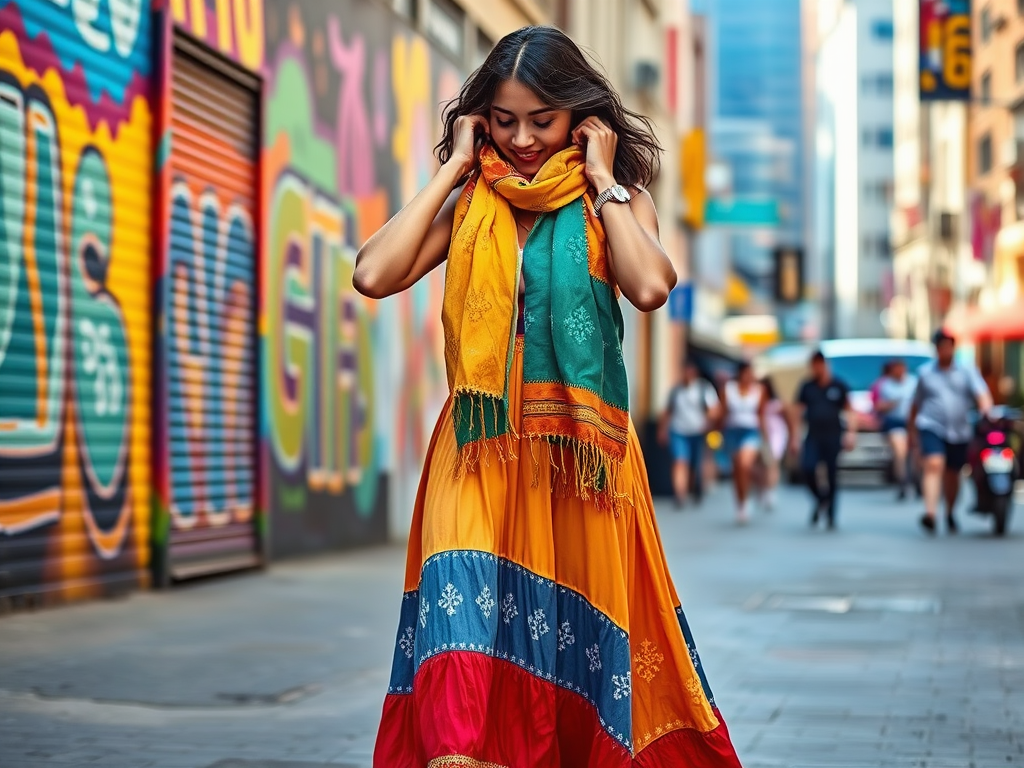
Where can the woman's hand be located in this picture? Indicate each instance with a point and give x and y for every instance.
(467, 131)
(600, 143)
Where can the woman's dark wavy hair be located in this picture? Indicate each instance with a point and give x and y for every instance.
(551, 65)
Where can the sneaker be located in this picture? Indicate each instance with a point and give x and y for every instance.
(742, 518)
(951, 526)
(928, 523)
(902, 495)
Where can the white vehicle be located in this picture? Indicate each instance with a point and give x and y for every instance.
(857, 362)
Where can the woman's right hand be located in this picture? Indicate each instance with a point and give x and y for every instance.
(467, 131)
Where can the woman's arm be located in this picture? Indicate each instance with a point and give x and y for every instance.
(636, 258)
(416, 239)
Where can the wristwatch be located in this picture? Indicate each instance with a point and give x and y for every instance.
(615, 193)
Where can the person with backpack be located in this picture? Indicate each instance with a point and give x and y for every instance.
(692, 408)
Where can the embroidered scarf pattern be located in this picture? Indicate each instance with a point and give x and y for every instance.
(575, 394)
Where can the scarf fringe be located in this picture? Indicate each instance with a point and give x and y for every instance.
(578, 469)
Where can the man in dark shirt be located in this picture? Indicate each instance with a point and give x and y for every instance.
(822, 401)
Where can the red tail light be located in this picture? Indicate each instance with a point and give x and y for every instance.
(1007, 453)
(986, 454)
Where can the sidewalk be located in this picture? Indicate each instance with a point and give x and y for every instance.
(872, 646)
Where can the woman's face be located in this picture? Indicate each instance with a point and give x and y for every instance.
(526, 130)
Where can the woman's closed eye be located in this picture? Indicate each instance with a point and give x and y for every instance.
(541, 125)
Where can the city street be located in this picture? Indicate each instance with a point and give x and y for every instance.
(869, 646)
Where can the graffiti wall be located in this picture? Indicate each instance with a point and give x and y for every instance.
(74, 290)
(351, 387)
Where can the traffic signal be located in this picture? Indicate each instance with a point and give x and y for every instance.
(789, 274)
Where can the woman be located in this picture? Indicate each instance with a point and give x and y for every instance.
(896, 391)
(774, 449)
(744, 402)
(539, 627)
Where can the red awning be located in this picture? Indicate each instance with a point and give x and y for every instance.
(988, 324)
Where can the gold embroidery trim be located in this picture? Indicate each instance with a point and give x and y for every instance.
(460, 761)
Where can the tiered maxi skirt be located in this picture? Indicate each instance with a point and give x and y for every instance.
(538, 631)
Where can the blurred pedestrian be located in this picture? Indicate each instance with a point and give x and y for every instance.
(773, 452)
(744, 401)
(940, 427)
(823, 402)
(895, 395)
(533, 537)
(693, 406)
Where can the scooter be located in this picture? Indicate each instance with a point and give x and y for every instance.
(994, 466)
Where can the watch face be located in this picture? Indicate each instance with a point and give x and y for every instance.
(619, 193)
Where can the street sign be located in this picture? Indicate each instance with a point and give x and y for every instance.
(945, 40)
(680, 303)
(741, 212)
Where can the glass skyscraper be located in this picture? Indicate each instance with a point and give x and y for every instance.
(756, 126)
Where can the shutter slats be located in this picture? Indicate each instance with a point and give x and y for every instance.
(211, 319)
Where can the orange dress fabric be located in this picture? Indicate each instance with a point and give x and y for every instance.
(538, 631)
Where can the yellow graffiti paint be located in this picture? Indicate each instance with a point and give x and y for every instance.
(77, 543)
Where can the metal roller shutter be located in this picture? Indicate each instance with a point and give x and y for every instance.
(211, 310)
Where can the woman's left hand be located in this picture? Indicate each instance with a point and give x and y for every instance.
(599, 142)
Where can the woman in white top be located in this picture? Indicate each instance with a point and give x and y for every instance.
(744, 401)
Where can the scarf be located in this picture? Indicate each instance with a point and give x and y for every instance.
(575, 395)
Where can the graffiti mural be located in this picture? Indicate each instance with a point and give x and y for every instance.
(74, 339)
(352, 387)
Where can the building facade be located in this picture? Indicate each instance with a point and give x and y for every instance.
(855, 157)
(995, 162)
(934, 272)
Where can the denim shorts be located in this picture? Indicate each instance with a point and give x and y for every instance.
(893, 423)
(686, 447)
(933, 445)
(739, 438)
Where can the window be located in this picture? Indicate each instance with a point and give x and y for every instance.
(878, 84)
(986, 25)
(877, 137)
(986, 84)
(446, 24)
(881, 29)
(985, 154)
(1018, 58)
(406, 8)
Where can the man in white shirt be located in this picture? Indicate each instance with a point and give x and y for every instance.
(940, 427)
(692, 407)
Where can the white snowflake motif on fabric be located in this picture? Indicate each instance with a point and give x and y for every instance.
(694, 658)
(485, 601)
(578, 325)
(424, 610)
(594, 657)
(408, 642)
(538, 624)
(623, 686)
(528, 319)
(576, 247)
(565, 636)
(508, 608)
(450, 600)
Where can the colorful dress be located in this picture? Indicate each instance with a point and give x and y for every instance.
(539, 632)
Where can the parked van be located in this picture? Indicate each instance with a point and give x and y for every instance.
(858, 362)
